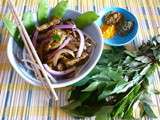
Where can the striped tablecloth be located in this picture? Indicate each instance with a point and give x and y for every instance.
(20, 100)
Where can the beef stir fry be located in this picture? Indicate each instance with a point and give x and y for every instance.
(62, 47)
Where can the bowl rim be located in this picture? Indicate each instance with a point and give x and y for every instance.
(55, 85)
(126, 10)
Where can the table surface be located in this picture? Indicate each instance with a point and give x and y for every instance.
(20, 100)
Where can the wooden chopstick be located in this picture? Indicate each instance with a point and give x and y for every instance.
(30, 48)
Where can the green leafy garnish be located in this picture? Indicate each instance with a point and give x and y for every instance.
(86, 19)
(56, 37)
(28, 22)
(12, 29)
(60, 9)
(104, 113)
(119, 80)
(42, 13)
(42, 17)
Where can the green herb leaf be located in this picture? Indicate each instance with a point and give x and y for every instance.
(104, 94)
(149, 111)
(86, 19)
(132, 54)
(145, 69)
(151, 70)
(72, 105)
(56, 37)
(93, 86)
(120, 86)
(122, 105)
(60, 9)
(143, 59)
(123, 79)
(28, 22)
(42, 13)
(104, 113)
(114, 75)
(11, 27)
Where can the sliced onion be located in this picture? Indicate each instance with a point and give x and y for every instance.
(65, 26)
(25, 57)
(66, 41)
(59, 73)
(82, 44)
(58, 54)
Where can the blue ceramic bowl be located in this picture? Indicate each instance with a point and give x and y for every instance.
(14, 51)
(119, 40)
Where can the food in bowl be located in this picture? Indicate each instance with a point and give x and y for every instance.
(115, 23)
(63, 30)
(62, 47)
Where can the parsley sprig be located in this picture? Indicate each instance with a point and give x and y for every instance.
(56, 37)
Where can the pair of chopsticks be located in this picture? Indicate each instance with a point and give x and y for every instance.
(31, 50)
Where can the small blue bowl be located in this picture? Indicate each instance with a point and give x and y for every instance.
(118, 40)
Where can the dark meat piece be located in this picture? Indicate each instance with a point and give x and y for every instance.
(49, 24)
(69, 21)
(45, 35)
(64, 58)
(89, 50)
(113, 18)
(41, 52)
(126, 28)
(74, 45)
(77, 61)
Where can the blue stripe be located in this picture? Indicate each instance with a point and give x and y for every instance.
(7, 95)
(24, 9)
(143, 10)
(1, 24)
(158, 10)
(28, 103)
(49, 108)
(76, 7)
(94, 7)
(147, 23)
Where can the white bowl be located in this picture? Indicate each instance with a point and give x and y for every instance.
(93, 30)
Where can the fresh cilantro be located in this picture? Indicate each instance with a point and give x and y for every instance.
(56, 37)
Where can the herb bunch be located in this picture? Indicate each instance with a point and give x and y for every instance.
(119, 85)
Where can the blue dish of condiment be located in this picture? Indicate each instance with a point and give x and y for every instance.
(118, 40)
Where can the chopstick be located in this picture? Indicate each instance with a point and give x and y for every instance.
(30, 48)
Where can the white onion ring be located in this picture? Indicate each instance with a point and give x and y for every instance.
(82, 44)
(66, 41)
(25, 57)
(58, 54)
(37, 66)
(58, 73)
(65, 26)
